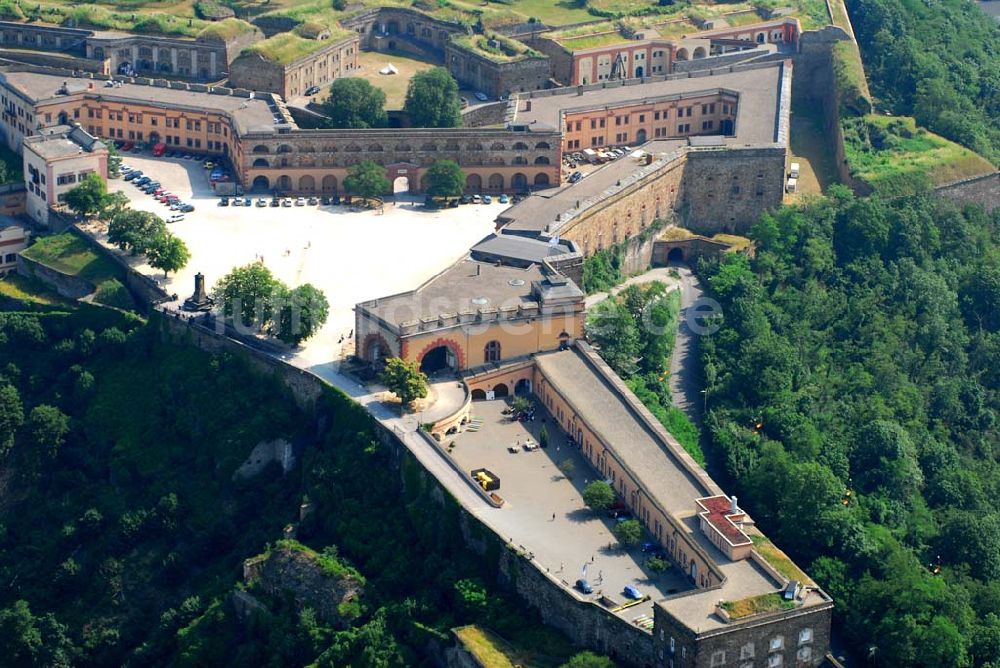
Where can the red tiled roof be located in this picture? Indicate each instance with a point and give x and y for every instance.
(719, 513)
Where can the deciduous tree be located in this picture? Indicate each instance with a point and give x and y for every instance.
(169, 253)
(303, 312)
(367, 179)
(89, 197)
(598, 495)
(405, 380)
(432, 100)
(355, 103)
(445, 179)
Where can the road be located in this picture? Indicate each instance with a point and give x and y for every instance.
(685, 372)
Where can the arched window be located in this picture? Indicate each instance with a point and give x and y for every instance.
(497, 146)
(520, 146)
(492, 352)
(542, 145)
(541, 160)
(284, 148)
(374, 148)
(260, 148)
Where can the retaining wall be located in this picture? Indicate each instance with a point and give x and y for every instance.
(983, 190)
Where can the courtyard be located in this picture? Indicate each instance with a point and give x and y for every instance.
(544, 509)
(352, 255)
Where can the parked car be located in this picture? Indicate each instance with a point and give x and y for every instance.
(313, 201)
(209, 164)
(187, 208)
(261, 201)
(487, 199)
(312, 90)
(575, 176)
(584, 586)
(127, 146)
(223, 201)
(325, 201)
(133, 175)
(631, 592)
(142, 180)
(477, 199)
(300, 201)
(247, 201)
(503, 199)
(336, 200)
(465, 199)
(481, 96)
(237, 201)
(275, 201)
(286, 202)
(176, 218)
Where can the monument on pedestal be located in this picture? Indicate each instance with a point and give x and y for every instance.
(199, 301)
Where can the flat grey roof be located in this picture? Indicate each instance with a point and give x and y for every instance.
(61, 141)
(662, 476)
(249, 114)
(537, 214)
(519, 248)
(454, 290)
(759, 90)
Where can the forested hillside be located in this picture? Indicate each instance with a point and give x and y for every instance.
(853, 389)
(937, 60)
(123, 532)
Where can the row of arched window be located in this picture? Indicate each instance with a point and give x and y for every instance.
(263, 149)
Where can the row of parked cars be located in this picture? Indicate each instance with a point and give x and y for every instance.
(153, 188)
(276, 201)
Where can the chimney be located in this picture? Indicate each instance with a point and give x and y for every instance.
(732, 505)
(527, 105)
(479, 268)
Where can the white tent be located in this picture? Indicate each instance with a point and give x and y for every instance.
(389, 69)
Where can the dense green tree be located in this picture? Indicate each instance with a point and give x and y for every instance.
(167, 252)
(598, 495)
(89, 197)
(628, 533)
(612, 329)
(588, 660)
(972, 538)
(27, 640)
(445, 179)
(248, 295)
(135, 231)
(46, 429)
(405, 380)
(302, 313)
(367, 179)
(11, 416)
(355, 103)
(432, 99)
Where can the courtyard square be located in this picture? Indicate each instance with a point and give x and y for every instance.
(545, 512)
(352, 255)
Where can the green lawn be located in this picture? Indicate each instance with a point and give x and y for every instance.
(69, 254)
(755, 605)
(891, 153)
(30, 291)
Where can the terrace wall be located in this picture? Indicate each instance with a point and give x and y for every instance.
(495, 78)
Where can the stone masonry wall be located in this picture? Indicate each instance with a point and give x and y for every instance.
(495, 78)
(982, 190)
(728, 190)
(749, 641)
(626, 214)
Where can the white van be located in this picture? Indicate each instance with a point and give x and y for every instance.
(793, 170)
(790, 186)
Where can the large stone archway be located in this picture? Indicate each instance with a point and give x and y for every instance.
(451, 357)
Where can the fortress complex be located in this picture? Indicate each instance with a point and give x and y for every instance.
(717, 144)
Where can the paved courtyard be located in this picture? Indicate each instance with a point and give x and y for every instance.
(534, 487)
(351, 255)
